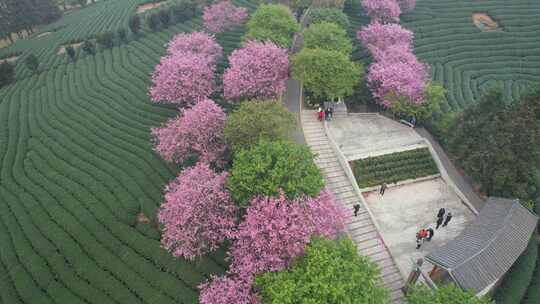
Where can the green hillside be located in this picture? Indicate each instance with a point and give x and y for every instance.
(469, 61)
(77, 168)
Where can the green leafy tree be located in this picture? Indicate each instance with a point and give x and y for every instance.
(434, 96)
(272, 165)
(32, 62)
(255, 120)
(448, 294)
(329, 272)
(272, 22)
(333, 15)
(327, 36)
(499, 144)
(152, 20)
(7, 73)
(164, 17)
(326, 74)
(70, 51)
(134, 24)
(105, 39)
(88, 47)
(121, 33)
(184, 10)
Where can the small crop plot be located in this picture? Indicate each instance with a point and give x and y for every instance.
(395, 167)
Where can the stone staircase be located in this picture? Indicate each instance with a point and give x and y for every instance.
(361, 228)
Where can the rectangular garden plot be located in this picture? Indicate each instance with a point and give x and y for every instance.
(392, 168)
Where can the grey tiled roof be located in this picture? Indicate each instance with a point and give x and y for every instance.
(486, 249)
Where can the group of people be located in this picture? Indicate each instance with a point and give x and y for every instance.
(326, 113)
(443, 219)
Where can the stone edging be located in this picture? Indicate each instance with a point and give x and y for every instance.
(403, 182)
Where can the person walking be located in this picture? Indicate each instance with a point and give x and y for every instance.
(327, 114)
(439, 222)
(448, 218)
(431, 233)
(441, 212)
(383, 188)
(321, 114)
(356, 209)
(418, 243)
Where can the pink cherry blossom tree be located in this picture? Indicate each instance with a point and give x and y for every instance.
(384, 11)
(196, 43)
(259, 71)
(182, 79)
(378, 36)
(227, 290)
(223, 16)
(197, 131)
(397, 73)
(275, 230)
(197, 214)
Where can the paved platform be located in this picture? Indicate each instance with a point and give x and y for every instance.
(365, 135)
(361, 228)
(404, 210)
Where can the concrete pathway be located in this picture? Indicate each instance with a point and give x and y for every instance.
(462, 182)
(292, 100)
(361, 229)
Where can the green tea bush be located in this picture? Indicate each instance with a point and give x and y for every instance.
(395, 167)
(81, 168)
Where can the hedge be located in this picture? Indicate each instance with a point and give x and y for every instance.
(517, 279)
(395, 167)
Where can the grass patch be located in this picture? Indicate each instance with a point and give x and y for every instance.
(395, 167)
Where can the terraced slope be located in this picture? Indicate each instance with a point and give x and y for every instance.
(77, 170)
(468, 61)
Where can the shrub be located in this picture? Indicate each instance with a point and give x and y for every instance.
(269, 166)
(327, 36)
(327, 74)
(70, 51)
(446, 294)
(184, 10)
(255, 120)
(272, 22)
(152, 20)
(164, 17)
(106, 39)
(135, 24)
(259, 70)
(328, 272)
(197, 214)
(223, 16)
(333, 15)
(32, 62)
(121, 33)
(514, 284)
(88, 47)
(7, 73)
(197, 132)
